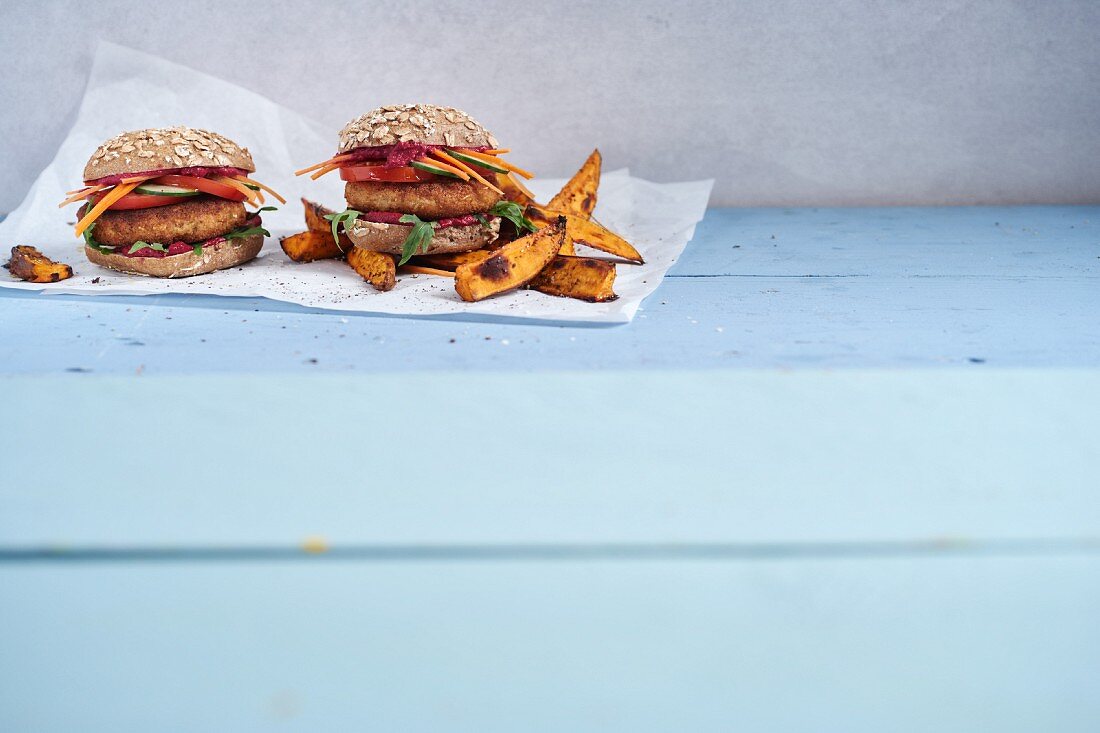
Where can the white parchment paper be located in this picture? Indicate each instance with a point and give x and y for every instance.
(129, 89)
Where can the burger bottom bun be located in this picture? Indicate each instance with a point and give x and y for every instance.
(230, 253)
(391, 237)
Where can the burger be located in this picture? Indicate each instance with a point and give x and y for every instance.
(170, 202)
(423, 179)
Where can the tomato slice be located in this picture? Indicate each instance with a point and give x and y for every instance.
(202, 184)
(378, 172)
(140, 201)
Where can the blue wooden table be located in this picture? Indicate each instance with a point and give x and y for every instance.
(839, 474)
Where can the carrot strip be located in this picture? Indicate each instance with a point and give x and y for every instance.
(328, 168)
(104, 203)
(496, 151)
(246, 179)
(498, 161)
(519, 184)
(323, 163)
(249, 194)
(450, 168)
(466, 169)
(86, 189)
(75, 198)
(425, 270)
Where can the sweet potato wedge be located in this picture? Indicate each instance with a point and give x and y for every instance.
(315, 217)
(578, 196)
(583, 278)
(512, 266)
(377, 268)
(311, 245)
(586, 231)
(27, 263)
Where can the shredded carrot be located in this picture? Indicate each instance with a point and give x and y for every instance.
(77, 197)
(426, 270)
(498, 161)
(326, 169)
(86, 189)
(246, 179)
(466, 169)
(519, 184)
(104, 203)
(496, 151)
(249, 194)
(323, 163)
(447, 167)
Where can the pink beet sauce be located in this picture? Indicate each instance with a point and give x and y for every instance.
(400, 154)
(197, 172)
(393, 217)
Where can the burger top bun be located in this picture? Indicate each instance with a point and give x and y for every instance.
(421, 123)
(165, 148)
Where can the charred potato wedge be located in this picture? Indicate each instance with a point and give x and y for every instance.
(310, 246)
(588, 232)
(377, 268)
(512, 266)
(583, 278)
(578, 196)
(27, 263)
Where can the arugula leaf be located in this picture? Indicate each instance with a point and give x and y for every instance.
(237, 233)
(419, 237)
(267, 208)
(482, 219)
(342, 218)
(140, 245)
(513, 212)
(196, 248)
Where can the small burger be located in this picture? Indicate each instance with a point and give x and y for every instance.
(422, 179)
(170, 202)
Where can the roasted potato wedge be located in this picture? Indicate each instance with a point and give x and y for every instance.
(311, 245)
(583, 278)
(27, 263)
(377, 268)
(315, 217)
(578, 196)
(588, 232)
(512, 266)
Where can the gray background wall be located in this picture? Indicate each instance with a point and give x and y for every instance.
(784, 103)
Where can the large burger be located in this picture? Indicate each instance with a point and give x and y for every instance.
(422, 179)
(170, 202)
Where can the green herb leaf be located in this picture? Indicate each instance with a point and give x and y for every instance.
(90, 240)
(237, 233)
(513, 212)
(139, 245)
(419, 237)
(342, 218)
(482, 219)
(196, 248)
(267, 208)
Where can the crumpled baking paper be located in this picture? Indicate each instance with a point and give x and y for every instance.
(129, 89)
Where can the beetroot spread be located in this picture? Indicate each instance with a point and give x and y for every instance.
(400, 154)
(180, 248)
(393, 217)
(197, 172)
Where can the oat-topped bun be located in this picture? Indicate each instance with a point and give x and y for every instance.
(422, 123)
(166, 148)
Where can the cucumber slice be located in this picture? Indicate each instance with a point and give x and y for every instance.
(159, 189)
(459, 155)
(426, 166)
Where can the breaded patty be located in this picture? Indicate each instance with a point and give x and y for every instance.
(193, 220)
(431, 200)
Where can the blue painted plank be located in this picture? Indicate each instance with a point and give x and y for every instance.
(609, 456)
(889, 287)
(978, 242)
(952, 644)
(690, 322)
